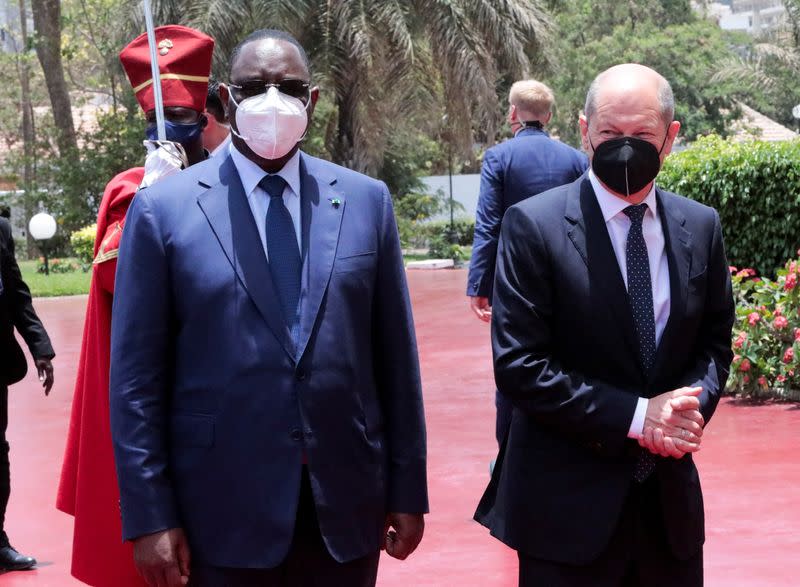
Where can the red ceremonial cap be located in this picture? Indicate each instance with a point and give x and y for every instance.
(184, 60)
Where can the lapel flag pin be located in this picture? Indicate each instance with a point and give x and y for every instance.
(336, 202)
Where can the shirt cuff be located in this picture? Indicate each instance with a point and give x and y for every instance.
(637, 424)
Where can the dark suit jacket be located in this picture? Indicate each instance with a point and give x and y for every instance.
(16, 311)
(516, 169)
(565, 353)
(213, 404)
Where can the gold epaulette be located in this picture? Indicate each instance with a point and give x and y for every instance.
(109, 248)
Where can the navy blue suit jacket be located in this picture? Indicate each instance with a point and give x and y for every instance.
(213, 404)
(566, 354)
(516, 169)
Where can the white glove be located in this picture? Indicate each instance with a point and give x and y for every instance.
(164, 158)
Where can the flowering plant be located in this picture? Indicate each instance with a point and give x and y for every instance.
(766, 335)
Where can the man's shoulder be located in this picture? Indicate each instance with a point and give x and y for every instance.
(187, 180)
(535, 145)
(339, 172)
(690, 208)
(550, 204)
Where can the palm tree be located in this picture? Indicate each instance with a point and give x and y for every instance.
(754, 67)
(383, 60)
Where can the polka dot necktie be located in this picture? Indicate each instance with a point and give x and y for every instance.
(285, 263)
(640, 295)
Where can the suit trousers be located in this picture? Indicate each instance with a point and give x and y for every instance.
(637, 555)
(308, 563)
(505, 410)
(5, 470)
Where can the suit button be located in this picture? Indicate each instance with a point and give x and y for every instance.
(300, 374)
(296, 434)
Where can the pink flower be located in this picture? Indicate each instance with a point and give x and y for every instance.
(791, 282)
(792, 266)
(797, 333)
(788, 356)
(744, 366)
(781, 378)
(780, 323)
(762, 381)
(753, 318)
(740, 340)
(732, 269)
(756, 280)
(746, 379)
(742, 273)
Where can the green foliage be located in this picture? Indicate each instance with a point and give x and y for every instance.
(462, 233)
(598, 34)
(412, 210)
(441, 249)
(82, 242)
(73, 187)
(755, 187)
(56, 266)
(766, 337)
(58, 284)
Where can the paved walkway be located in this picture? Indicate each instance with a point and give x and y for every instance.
(749, 466)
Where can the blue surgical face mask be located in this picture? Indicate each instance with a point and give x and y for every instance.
(182, 133)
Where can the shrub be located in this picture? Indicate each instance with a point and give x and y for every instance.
(82, 242)
(57, 266)
(766, 335)
(443, 245)
(755, 186)
(463, 231)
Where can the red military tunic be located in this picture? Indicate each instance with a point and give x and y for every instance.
(88, 488)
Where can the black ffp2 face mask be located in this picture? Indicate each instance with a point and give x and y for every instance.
(626, 164)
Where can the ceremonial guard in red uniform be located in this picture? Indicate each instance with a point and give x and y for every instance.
(88, 489)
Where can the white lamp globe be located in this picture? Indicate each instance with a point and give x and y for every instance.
(42, 226)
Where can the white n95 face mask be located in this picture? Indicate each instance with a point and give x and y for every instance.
(271, 123)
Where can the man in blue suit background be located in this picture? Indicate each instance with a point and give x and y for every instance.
(266, 407)
(516, 169)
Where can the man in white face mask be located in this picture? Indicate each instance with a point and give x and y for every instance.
(272, 433)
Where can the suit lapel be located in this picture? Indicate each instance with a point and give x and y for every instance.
(677, 245)
(322, 210)
(589, 234)
(228, 212)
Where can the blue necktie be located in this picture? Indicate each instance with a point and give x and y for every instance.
(640, 294)
(285, 263)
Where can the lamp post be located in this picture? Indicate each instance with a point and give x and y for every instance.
(42, 228)
(452, 235)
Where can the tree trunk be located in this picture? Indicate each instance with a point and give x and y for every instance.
(47, 22)
(28, 131)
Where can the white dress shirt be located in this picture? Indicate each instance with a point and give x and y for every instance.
(251, 174)
(618, 225)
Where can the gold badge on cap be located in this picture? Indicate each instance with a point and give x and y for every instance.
(164, 46)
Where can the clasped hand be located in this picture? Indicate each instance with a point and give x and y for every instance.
(673, 423)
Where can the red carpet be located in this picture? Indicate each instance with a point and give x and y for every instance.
(749, 464)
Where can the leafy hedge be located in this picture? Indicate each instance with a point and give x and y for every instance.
(754, 185)
(82, 242)
(766, 336)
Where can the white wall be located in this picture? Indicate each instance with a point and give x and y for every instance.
(465, 191)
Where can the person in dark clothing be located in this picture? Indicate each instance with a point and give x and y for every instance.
(16, 312)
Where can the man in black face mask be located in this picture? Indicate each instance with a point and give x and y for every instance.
(611, 336)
